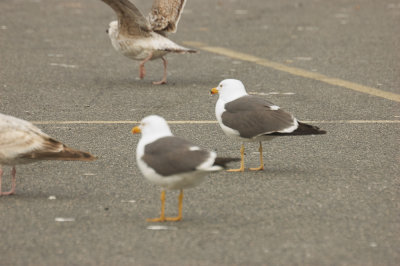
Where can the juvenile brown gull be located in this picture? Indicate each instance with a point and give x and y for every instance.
(145, 39)
(22, 143)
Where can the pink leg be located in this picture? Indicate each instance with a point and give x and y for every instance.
(1, 175)
(164, 79)
(13, 182)
(142, 70)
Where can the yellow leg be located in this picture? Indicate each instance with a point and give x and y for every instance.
(162, 216)
(241, 169)
(179, 217)
(261, 160)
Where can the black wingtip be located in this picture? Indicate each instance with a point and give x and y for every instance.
(305, 129)
(223, 161)
(179, 51)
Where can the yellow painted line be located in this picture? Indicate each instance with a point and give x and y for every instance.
(118, 122)
(82, 122)
(211, 122)
(351, 121)
(296, 71)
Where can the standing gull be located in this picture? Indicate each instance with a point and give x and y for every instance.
(250, 118)
(172, 162)
(22, 143)
(144, 39)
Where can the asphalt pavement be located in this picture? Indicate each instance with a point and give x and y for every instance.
(331, 199)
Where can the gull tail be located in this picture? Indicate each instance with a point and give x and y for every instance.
(54, 150)
(164, 44)
(302, 129)
(67, 154)
(305, 129)
(180, 50)
(223, 161)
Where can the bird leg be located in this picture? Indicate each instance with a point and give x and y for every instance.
(1, 175)
(164, 79)
(261, 160)
(162, 216)
(13, 182)
(179, 217)
(241, 169)
(142, 70)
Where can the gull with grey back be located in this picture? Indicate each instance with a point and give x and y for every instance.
(172, 162)
(252, 119)
(21, 143)
(145, 38)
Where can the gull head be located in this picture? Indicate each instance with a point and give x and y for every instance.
(152, 126)
(229, 90)
(112, 30)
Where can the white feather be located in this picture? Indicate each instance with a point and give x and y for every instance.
(219, 109)
(140, 48)
(18, 137)
(291, 128)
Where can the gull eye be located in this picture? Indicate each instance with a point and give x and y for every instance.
(220, 86)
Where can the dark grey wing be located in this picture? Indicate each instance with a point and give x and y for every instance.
(252, 116)
(303, 129)
(130, 20)
(173, 155)
(165, 14)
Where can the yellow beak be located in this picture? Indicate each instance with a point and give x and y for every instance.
(214, 91)
(136, 130)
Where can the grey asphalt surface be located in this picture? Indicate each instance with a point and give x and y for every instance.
(323, 200)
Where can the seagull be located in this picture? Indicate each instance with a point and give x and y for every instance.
(172, 162)
(252, 119)
(21, 142)
(145, 39)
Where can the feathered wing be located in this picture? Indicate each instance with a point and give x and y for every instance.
(20, 140)
(130, 20)
(252, 116)
(223, 161)
(303, 129)
(15, 142)
(169, 46)
(174, 155)
(165, 14)
(55, 150)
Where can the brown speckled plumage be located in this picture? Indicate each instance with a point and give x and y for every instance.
(21, 142)
(165, 14)
(131, 22)
(144, 39)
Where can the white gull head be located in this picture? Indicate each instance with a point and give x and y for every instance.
(113, 29)
(228, 90)
(231, 89)
(153, 127)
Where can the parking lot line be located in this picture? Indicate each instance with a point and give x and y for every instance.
(295, 71)
(211, 122)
